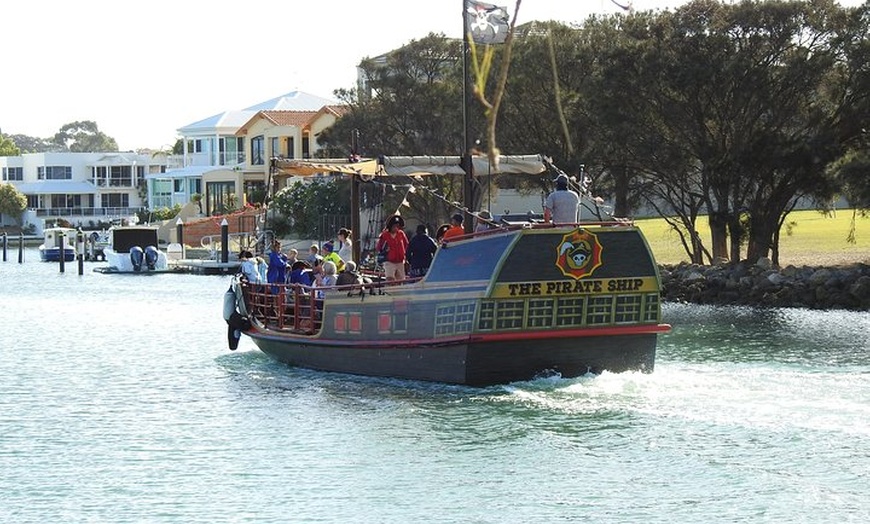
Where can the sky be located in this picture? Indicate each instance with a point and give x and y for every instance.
(141, 69)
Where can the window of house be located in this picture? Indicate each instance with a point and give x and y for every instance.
(276, 146)
(161, 193)
(116, 200)
(121, 176)
(178, 185)
(221, 198)
(13, 173)
(258, 155)
(54, 172)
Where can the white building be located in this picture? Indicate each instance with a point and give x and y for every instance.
(85, 189)
(226, 156)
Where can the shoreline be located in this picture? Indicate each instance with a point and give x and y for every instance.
(845, 286)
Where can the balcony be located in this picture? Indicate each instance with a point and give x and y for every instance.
(86, 211)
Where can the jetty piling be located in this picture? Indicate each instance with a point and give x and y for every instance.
(80, 250)
(225, 241)
(21, 248)
(5, 240)
(61, 246)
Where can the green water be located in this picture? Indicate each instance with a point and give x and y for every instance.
(119, 402)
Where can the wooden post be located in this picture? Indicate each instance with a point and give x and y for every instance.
(61, 245)
(21, 248)
(80, 250)
(225, 241)
(4, 246)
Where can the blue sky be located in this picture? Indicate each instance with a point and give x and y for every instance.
(141, 69)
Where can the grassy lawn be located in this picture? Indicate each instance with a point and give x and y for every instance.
(813, 239)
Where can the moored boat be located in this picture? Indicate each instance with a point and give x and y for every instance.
(504, 305)
(133, 249)
(57, 242)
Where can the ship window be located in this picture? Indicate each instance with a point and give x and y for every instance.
(384, 322)
(487, 316)
(627, 309)
(355, 323)
(400, 322)
(509, 314)
(569, 312)
(454, 319)
(651, 308)
(540, 313)
(599, 310)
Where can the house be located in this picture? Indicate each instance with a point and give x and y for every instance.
(226, 156)
(85, 189)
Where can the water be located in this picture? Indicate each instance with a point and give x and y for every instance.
(120, 402)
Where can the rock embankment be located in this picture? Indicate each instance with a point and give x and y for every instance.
(763, 285)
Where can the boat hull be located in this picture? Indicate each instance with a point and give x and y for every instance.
(52, 254)
(469, 362)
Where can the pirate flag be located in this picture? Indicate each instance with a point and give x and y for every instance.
(487, 23)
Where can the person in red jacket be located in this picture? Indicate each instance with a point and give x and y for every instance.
(394, 240)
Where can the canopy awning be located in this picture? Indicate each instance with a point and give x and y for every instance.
(312, 167)
(413, 166)
(450, 165)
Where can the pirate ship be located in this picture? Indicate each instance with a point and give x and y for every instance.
(507, 304)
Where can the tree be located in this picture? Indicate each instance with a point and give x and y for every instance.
(415, 108)
(30, 144)
(12, 201)
(305, 202)
(84, 137)
(8, 147)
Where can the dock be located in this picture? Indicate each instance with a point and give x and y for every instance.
(207, 266)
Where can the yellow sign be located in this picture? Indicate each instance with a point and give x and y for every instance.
(603, 286)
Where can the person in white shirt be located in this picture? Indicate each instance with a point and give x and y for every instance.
(562, 205)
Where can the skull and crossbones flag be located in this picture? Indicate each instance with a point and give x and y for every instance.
(487, 23)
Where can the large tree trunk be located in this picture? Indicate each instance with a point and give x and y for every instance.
(718, 234)
(735, 230)
(620, 192)
(760, 237)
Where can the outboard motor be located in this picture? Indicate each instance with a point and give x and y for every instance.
(151, 257)
(136, 258)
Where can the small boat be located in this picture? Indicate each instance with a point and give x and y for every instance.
(133, 249)
(50, 249)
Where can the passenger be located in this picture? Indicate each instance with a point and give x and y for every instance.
(348, 276)
(300, 273)
(394, 240)
(277, 266)
(330, 255)
(248, 267)
(483, 221)
(562, 205)
(326, 278)
(313, 255)
(292, 257)
(455, 229)
(421, 250)
(439, 233)
(345, 244)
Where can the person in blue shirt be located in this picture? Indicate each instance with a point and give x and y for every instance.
(276, 274)
(421, 251)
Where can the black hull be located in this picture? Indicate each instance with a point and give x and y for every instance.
(481, 363)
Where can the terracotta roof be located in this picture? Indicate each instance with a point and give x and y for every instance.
(300, 119)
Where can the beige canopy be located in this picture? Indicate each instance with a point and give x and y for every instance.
(412, 166)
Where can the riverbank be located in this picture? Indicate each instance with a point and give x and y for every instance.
(763, 285)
